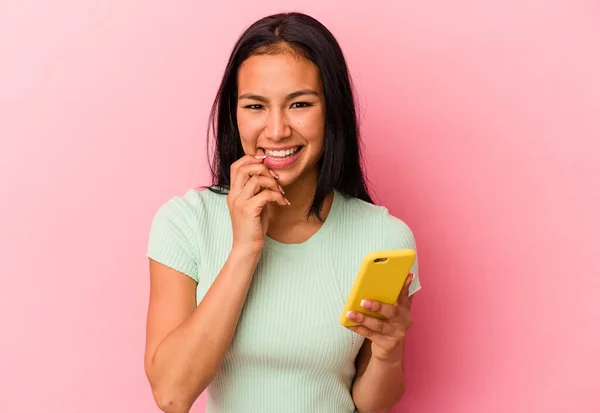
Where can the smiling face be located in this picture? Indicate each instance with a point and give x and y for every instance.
(281, 110)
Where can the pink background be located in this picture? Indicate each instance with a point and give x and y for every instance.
(481, 120)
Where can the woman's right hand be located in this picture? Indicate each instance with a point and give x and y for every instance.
(253, 185)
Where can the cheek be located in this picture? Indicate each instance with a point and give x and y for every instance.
(311, 126)
(249, 128)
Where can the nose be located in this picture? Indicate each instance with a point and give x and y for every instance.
(277, 126)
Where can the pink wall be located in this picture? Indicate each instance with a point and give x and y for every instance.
(482, 126)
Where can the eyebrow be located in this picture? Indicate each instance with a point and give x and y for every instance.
(290, 96)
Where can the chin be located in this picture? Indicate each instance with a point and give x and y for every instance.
(291, 178)
(287, 178)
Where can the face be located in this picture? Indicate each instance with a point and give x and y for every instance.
(281, 110)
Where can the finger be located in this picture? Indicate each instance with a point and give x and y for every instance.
(245, 172)
(249, 159)
(244, 160)
(385, 343)
(376, 325)
(363, 331)
(258, 182)
(403, 297)
(258, 202)
(386, 310)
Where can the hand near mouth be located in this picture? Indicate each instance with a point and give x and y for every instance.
(253, 185)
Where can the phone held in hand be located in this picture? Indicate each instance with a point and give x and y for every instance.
(381, 277)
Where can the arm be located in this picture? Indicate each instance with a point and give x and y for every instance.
(378, 386)
(380, 380)
(186, 344)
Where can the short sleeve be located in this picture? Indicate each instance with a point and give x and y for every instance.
(397, 235)
(172, 240)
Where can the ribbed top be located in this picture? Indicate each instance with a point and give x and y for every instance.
(289, 353)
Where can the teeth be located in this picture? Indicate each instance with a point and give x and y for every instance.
(281, 154)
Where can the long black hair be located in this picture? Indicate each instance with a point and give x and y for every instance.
(340, 167)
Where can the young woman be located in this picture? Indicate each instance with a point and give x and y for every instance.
(249, 276)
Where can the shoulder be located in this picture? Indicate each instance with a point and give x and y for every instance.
(191, 206)
(377, 217)
(360, 211)
(396, 232)
(177, 226)
(375, 226)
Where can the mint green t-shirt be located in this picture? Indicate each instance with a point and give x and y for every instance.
(289, 353)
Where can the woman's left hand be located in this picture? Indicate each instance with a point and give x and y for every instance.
(387, 334)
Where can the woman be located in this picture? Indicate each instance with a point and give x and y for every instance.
(248, 279)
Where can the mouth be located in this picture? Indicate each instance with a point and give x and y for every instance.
(282, 154)
(278, 159)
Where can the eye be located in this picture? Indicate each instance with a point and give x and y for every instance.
(254, 107)
(301, 105)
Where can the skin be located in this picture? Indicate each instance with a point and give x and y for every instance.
(280, 104)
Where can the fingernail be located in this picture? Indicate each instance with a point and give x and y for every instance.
(273, 174)
(286, 200)
(281, 189)
(260, 156)
(350, 315)
(366, 304)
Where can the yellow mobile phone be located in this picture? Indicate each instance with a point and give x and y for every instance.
(381, 277)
